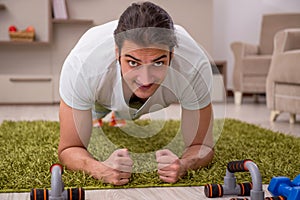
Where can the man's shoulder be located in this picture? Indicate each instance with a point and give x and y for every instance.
(96, 46)
(97, 34)
(188, 51)
(106, 27)
(182, 32)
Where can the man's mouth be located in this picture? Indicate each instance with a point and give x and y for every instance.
(144, 87)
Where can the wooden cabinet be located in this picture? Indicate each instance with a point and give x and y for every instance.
(29, 71)
(25, 88)
(219, 69)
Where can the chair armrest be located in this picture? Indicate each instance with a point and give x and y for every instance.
(287, 40)
(241, 49)
(285, 65)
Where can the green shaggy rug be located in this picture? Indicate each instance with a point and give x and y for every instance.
(28, 149)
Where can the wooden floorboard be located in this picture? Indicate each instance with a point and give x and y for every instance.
(164, 193)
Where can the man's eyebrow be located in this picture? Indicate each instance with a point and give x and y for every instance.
(154, 60)
(130, 56)
(160, 57)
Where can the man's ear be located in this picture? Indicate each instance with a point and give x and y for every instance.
(117, 52)
(171, 55)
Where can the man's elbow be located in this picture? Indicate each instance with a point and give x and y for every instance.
(60, 153)
(206, 155)
(211, 155)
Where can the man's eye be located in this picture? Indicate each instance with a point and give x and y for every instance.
(158, 64)
(132, 63)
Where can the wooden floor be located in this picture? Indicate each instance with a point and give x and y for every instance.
(171, 193)
(256, 113)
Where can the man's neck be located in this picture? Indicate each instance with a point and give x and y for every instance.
(130, 98)
(136, 102)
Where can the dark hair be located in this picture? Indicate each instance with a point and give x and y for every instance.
(145, 23)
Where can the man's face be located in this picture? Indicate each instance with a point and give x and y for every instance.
(143, 68)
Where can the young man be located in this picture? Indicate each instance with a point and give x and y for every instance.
(129, 66)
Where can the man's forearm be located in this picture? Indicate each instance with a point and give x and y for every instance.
(115, 170)
(78, 159)
(196, 156)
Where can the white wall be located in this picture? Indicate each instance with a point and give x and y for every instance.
(239, 20)
(195, 15)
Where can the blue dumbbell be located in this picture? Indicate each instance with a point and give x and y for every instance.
(285, 187)
(296, 181)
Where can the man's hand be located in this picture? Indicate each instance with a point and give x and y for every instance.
(75, 132)
(117, 168)
(170, 168)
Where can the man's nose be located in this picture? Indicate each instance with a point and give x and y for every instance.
(145, 76)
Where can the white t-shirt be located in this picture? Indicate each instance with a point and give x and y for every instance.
(91, 74)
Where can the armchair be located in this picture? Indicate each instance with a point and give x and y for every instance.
(283, 80)
(252, 62)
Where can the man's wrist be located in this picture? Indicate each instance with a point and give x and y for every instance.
(93, 167)
(196, 156)
(184, 167)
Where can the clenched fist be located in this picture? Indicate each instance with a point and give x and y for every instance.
(117, 168)
(170, 168)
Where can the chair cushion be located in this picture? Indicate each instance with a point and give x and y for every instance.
(254, 84)
(287, 97)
